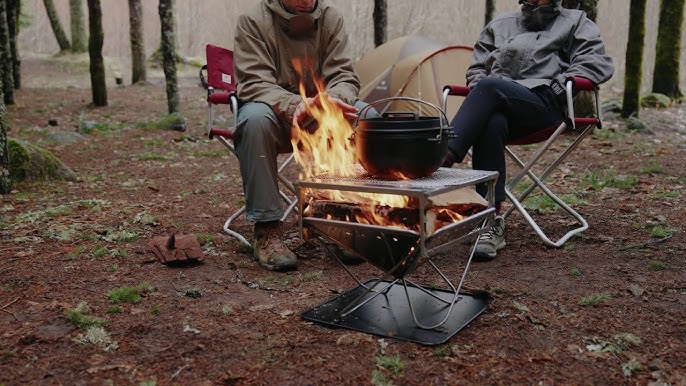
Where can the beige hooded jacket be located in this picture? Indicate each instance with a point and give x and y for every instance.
(269, 38)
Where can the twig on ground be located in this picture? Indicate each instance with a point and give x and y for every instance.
(10, 312)
(10, 303)
(252, 284)
(634, 246)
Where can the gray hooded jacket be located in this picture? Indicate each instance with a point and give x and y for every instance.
(569, 46)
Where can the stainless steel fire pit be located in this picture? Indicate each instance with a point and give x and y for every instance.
(393, 305)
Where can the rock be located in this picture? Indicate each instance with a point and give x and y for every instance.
(635, 124)
(29, 163)
(65, 138)
(656, 100)
(612, 106)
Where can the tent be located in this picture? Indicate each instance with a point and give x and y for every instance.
(415, 67)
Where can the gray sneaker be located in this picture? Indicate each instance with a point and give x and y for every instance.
(270, 250)
(490, 242)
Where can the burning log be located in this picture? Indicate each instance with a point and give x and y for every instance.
(443, 209)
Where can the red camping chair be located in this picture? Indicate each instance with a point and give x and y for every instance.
(580, 126)
(217, 77)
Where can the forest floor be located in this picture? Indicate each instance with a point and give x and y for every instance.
(83, 303)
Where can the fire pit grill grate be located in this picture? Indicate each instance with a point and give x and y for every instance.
(444, 179)
(450, 310)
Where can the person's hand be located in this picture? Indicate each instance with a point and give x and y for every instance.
(301, 112)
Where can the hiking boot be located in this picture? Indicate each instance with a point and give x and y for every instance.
(270, 250)
(490, 242)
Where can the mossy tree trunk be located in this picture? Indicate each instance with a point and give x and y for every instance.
(6, 57)
(380, 17)
(584, 103)
(668, 49)
(631, 102)
(13, 11)
(5, 180)
(78, 26)
(490, 10)
(588, 6)
(97, 64)
(138, 73)
(166, 12)
(62, 40)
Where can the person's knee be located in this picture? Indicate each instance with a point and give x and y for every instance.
(255, 122)
(489, 84)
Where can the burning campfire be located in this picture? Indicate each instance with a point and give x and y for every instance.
(329, 150)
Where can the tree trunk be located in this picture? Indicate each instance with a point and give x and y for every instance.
(584, 102)
(380, 21)
(78, 27)
(5, 180)
(97, 64)
(490, 10)
(668, 49)
(62, 40)
(13, 10)
(168, 54)
(634, 59)
(6, 57)
(588, 6)
(138, 73)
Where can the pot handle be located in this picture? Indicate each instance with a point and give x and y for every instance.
(412, 114)
(443, 119)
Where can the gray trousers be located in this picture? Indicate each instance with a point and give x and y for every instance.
(260, 138)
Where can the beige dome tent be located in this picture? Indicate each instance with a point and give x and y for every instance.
(416, 67)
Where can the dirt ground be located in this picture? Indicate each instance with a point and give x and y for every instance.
(607, 308)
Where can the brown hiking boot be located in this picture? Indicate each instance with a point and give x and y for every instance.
(270, 250)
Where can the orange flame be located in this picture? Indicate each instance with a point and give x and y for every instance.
(329, 150)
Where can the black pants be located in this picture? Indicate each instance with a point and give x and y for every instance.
(495, 112)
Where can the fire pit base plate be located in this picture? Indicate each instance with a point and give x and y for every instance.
(389, 314)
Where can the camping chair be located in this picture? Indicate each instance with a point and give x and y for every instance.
(217, 77)
(581, 126)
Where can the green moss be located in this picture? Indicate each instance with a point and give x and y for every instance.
(29, 162)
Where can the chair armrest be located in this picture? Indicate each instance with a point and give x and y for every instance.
(220, 97)
(221, 133)
(582, 84)
(454, 89)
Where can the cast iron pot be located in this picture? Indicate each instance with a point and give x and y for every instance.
(401, 145)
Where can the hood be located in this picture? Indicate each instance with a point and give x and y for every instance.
(291, 23)
(557, 4)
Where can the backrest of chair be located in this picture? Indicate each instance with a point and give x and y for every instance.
(220, 68)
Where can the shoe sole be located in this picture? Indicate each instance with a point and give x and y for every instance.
(489, 255)
(277, 268)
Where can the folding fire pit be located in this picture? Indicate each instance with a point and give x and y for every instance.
(393, 305)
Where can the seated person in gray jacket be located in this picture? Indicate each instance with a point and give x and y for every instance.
(516, 78)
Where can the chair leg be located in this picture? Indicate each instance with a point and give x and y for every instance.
(232, 233)
(583, 225)
(537, 182)
(291, 202)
